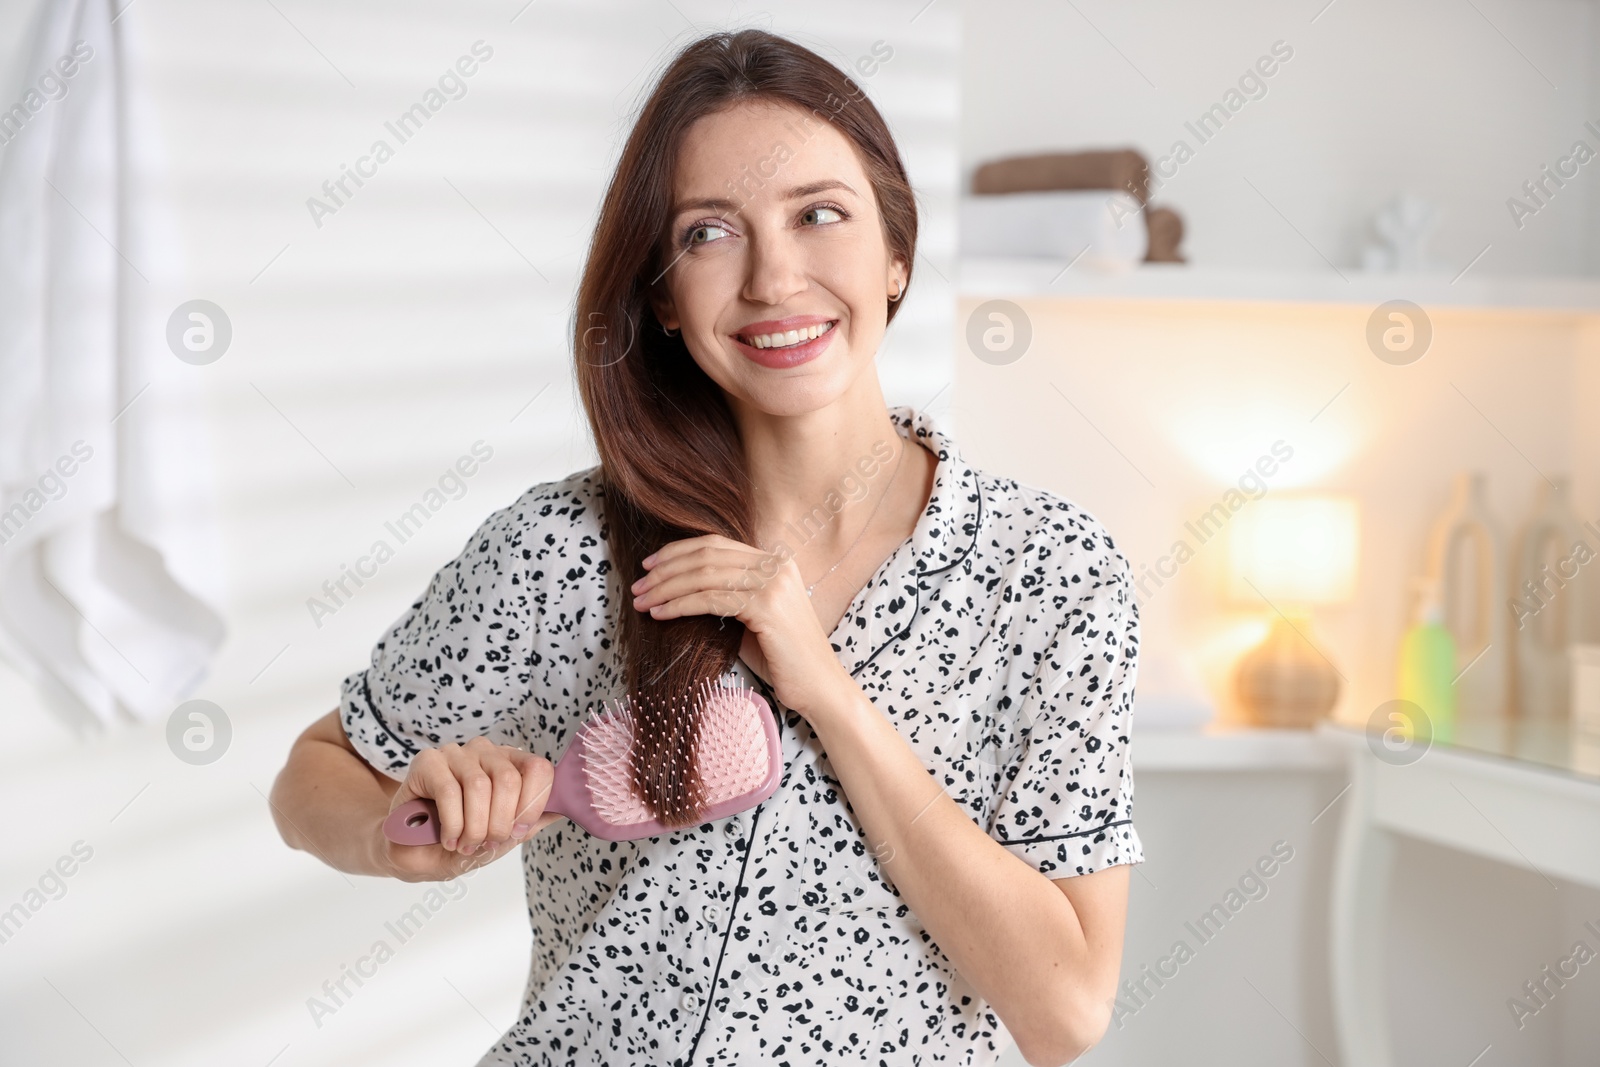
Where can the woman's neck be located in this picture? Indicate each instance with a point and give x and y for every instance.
(834, 482)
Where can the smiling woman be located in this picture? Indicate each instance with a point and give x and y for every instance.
(951, 655)
(781, 189)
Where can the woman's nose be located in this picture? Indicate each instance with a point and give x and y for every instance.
(776, 269)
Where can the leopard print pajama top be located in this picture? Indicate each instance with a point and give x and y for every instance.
(1001, 639)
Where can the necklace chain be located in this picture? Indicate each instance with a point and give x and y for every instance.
(866, 524)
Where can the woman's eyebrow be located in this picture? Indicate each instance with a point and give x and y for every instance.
(799, 191)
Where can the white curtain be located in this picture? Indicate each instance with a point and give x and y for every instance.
(108, 596)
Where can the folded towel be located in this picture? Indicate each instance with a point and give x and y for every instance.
(1122, 168)
(1102, 226)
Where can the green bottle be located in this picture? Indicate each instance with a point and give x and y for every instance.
(1428, 663)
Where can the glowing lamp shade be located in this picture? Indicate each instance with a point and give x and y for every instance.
(1295, 551)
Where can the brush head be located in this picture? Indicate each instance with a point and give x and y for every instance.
(732, 758)
(738, 762)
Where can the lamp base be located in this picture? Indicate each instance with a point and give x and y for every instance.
(1284, 681)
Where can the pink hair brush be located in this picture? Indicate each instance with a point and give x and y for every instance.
(737, 755)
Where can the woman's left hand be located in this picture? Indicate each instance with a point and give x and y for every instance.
(783, 641)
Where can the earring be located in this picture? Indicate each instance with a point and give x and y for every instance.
(669, 333)
(899, 291)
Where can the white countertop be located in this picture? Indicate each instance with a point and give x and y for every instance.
(1234, 748)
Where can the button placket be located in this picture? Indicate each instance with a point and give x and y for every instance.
(765, 914)
(766, 941)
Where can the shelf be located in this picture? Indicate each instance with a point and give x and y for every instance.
(1218, 748)
(1032, 279)
(1541, 744)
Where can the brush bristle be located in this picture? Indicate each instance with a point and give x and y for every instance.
(608, 766)
(731, 755)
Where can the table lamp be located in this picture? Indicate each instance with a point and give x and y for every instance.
(1288, 554)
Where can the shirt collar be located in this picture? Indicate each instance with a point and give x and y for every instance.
(948, 527)
(887, 607)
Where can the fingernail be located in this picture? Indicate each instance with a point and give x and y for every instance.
(519, 829)
(651, 558)
(469, 850)
(450, 844)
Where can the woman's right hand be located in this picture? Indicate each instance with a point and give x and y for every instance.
(489, 797)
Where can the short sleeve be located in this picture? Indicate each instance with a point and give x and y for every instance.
(1065, 802)
(456, 664)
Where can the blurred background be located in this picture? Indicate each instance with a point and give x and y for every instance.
(1301, 301)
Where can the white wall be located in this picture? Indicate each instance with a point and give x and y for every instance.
(368, 354)
(1201, 832)
(1430, 96)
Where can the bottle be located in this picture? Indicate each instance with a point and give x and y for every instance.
(1428, 662)
(1465, 561)
(1545, 603)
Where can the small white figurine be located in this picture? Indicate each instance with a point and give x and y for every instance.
(1404, 226)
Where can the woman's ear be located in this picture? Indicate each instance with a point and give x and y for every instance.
(666, 311)
(896, 282)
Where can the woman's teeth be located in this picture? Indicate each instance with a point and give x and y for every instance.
(792, 337)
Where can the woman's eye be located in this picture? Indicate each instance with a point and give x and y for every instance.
(704, 233)
(823, 214)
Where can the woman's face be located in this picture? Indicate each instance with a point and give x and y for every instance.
(775, 236)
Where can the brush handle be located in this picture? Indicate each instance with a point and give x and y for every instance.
(416, 822)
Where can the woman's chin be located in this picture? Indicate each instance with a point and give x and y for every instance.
(793, 394)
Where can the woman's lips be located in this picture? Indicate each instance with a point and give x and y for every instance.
(791, 355)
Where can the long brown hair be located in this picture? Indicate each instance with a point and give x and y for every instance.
(671, 459)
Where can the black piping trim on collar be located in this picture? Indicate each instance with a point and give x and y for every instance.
(963, 470)
(920, 574)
